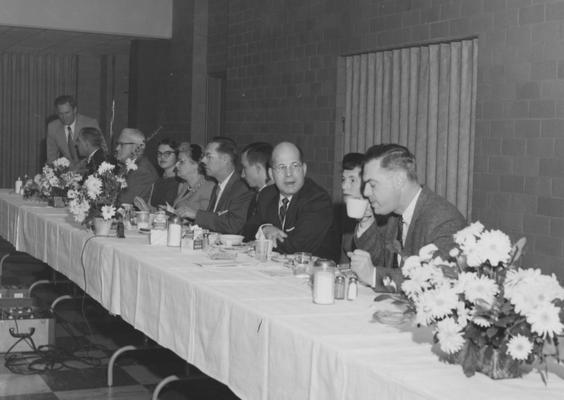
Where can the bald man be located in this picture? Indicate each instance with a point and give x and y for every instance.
(295, 212)
(131, 145)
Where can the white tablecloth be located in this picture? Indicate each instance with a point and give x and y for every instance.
(252, 327)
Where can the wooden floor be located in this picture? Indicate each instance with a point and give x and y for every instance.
(86, 336)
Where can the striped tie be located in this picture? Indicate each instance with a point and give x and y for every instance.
(282, 211)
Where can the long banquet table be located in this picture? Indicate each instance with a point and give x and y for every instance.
(252, 327)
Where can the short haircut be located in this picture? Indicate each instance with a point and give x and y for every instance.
(352, 161)
(170, 143)
(226, 146)
(392, 157)
(134, 133)
(258, 153)
(93, 136)
(64, 99)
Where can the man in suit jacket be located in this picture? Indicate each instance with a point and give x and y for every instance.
(131, 146)
(416, 215)
(229, 203)
(91, 146)
(255, 160)
(295, 212)
(62, 132)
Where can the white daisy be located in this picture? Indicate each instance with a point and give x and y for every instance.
(449, 334)
(108, 212)
(438, 303)
(130, 165)
(481, 288)
(410, 264)
(61, 162)
(494, 246)
(105, 167)
(93, 186)
(481, 321)
(545, 320)
(519, 347)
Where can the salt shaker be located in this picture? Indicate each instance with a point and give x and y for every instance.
(174, 236)
(160, 221)
(352, 291)
(324, 282)
(339, 287)
(18, 185)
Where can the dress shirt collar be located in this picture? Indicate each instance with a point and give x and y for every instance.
(407, 215)
(72, 126)
(282, 197)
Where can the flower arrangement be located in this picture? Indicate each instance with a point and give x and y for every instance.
(487, 313)
(55, 180)
(97, 197)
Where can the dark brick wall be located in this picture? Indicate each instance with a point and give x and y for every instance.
(281, 70)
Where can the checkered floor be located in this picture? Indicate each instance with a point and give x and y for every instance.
(85, 337)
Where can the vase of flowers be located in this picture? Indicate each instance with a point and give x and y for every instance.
(102, 226)
(488, 314)
(53, 183)
(98, 195)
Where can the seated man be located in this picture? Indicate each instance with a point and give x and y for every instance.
(295, 212)
(131, 145)
(91, 145)
(417, 216)
(255, 159)
(229, 202)
(364, 234)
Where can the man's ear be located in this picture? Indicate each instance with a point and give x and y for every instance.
(270, 174)
(399, 178)
(304, 167)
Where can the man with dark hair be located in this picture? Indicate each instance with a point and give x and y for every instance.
(295, 212)
(229, 203)
(417, 216)
(364, 232)
(255, 160)
(91, 145)
(62, 132)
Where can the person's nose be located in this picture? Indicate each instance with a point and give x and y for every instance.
(366, 192)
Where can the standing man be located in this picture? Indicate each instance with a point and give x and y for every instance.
(131, 146)
(417, 216)
(230, 199)
(295, 212)
(62, 132)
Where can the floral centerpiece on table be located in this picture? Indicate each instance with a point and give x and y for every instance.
(98, 195)
(487, 313)
(55, 180)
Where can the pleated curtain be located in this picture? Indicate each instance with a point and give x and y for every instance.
(423, 98)
(29, 84)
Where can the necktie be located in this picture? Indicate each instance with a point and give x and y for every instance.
(70, 142)
(213, 198)
(253, 205)
(399, 240)
(282, 211)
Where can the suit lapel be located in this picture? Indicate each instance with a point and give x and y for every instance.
(419, 205)
(224, 198)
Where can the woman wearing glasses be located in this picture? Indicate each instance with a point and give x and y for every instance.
(165, 189)
(195, 191)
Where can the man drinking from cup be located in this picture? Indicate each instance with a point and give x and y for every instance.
(362, 231)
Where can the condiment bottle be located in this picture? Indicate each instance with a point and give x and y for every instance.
(174, 236)
(339, 287)
(324, 282)
(18, 185)
(159, 222)
(352, 291)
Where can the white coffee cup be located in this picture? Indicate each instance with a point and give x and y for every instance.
(356, 207)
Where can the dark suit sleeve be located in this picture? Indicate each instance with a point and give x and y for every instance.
(314, 219)
(139, 183)
(233, 220)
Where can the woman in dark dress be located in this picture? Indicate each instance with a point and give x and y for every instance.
(165, 189)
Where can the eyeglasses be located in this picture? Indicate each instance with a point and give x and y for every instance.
(283, 168)
(165, 154)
